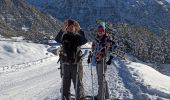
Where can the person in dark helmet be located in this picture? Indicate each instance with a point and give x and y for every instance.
(71, 37)
(102, 48)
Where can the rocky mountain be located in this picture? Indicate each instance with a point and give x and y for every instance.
(18, 18)
(153, 14)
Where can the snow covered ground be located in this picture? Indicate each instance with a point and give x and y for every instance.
(29, 72)
(19, 52)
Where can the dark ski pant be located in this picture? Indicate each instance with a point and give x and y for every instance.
(70, 74)
(102, 83)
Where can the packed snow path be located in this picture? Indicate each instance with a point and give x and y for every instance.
(34, 83)
(116, 86)
(42, 82)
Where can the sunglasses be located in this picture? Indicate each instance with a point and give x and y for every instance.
(100, 30)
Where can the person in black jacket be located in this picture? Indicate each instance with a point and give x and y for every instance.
(71, 37)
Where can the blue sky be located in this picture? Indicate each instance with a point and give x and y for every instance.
(168, 1)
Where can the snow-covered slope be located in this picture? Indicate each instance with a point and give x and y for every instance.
(20, 52)
(148, 76)
(18, 18)
(127, 80)
(19, 55)
(144, 81)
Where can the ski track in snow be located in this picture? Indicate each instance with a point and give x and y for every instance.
(16, 67)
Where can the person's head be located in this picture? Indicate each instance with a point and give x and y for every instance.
(100, 30)
(70, 26)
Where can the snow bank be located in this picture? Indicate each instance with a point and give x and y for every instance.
(12, 39)
(152, 81)
(13, 53)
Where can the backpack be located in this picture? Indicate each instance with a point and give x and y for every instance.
(103, 47)
(70, 52)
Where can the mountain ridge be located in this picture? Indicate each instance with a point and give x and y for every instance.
(18, 18)
(154, 14)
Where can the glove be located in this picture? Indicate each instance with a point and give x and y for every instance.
(109, 61)
(88, 60)
(103, 50)
(89, 56)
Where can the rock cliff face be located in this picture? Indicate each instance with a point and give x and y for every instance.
(154, 14)
(18, 18)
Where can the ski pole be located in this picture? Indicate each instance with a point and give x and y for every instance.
(77, 76)
(103, 85)
(62, 75)
(92, 80)
(90, 61)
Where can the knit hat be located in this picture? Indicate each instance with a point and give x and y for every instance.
(103, 24)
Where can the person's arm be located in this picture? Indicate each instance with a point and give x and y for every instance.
(58, 38)
(93, 46)
(83, 39)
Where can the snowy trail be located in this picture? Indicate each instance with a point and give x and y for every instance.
(116, 85)
(42, 81)
(34, 83)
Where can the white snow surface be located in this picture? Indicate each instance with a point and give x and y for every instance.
(150, 76)
(12, 53)
(39, 78)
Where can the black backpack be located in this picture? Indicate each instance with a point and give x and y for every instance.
(71, 52)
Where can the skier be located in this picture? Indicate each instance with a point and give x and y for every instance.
(108, 27)
(71, 37)
(102, 49)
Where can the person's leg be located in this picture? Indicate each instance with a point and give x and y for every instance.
(66, 83)
(107, 95)
(100, 80)
(102, 83)
(80, 88)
